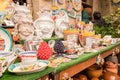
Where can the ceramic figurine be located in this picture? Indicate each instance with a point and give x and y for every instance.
(61, 22)
(24, 28)
(44, 25)
(20, 12)
(9, 12)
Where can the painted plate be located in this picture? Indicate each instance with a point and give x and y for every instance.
(5, 40)
(20, 69)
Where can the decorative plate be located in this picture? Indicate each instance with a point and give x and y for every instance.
(5, 40)
(20, 69)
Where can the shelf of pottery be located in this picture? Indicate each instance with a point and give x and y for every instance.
(56, 31)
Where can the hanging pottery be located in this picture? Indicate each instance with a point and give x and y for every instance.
(61, 23)
(44, 25)
(77, 5)
(71, 13)
(60, 1)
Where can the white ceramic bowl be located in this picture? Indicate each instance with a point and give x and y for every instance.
(28, 57)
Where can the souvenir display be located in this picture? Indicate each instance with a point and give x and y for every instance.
(61, 23)
(5, 40)
(44, 25)
(56, 45)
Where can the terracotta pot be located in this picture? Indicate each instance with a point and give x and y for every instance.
(110, 76)
(95, 79)
(94, 71)
(75, 79)
(82, 77)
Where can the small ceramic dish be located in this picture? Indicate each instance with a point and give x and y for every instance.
(73, 56)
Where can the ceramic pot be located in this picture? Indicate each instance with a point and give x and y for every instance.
(95, 78)
(94, 71)
(110, 76)
(82, 77)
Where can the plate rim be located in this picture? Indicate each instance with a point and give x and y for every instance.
(8, 34)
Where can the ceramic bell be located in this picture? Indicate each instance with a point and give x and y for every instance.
(44, 25)
(61, 23)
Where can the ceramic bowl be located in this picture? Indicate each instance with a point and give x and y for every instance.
(28, 57)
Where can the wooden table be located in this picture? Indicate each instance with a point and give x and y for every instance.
(71, 71)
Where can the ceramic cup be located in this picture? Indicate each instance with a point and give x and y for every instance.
(28, 57)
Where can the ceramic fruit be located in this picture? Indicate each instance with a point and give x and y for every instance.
(44, 51)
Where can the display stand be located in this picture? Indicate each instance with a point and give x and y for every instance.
(87, 61)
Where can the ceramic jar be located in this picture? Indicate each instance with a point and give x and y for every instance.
(61, 23)
(110, 76)
(94, 71)
(44, 25)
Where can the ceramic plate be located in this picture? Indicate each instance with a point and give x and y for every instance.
(7, 44)
(36, 67)
(7, 58)
(72, 56)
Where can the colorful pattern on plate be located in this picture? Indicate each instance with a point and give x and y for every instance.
(5, 40)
